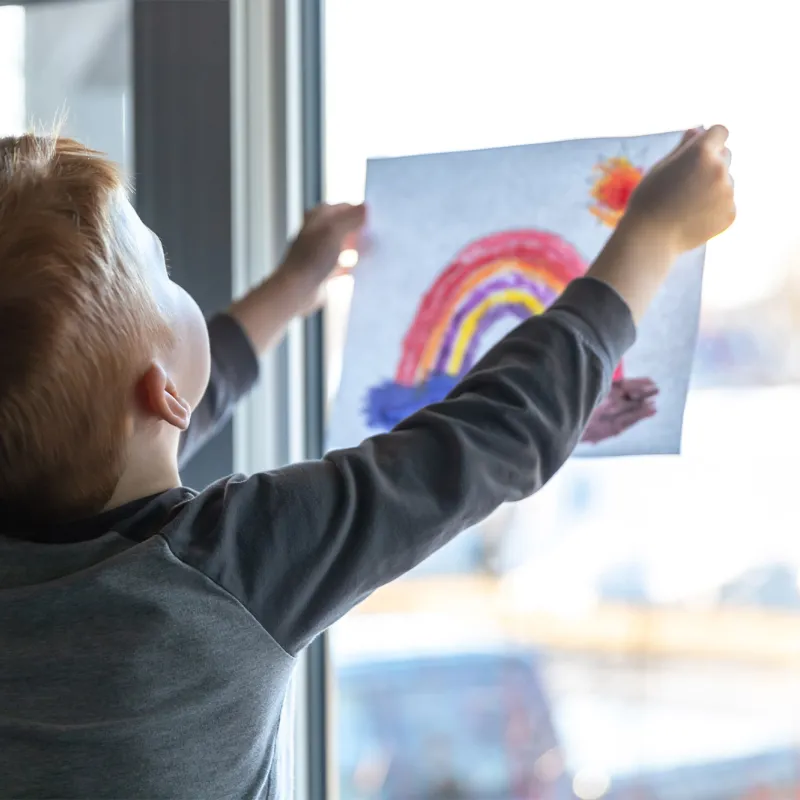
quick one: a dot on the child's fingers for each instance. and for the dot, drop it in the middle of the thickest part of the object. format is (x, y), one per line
(687, 139)
(640, 395)
(715, 137)
(346, 217)
(629, 418)
(337, 219)
(639, 383)
(639, 388)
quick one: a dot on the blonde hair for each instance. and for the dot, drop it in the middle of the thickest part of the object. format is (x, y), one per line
(77, 327)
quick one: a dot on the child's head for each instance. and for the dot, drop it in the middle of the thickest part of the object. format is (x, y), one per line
(102, 357)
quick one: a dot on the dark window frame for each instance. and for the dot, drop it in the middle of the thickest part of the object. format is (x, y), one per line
(317, 663)
(182, 160)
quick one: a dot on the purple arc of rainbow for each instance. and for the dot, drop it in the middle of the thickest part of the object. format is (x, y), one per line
(492, 295)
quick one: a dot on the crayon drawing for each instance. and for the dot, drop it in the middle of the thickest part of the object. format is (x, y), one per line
(496, 279)
(516, 274)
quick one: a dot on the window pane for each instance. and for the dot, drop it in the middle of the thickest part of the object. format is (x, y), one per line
(630, 632)
(68, 61)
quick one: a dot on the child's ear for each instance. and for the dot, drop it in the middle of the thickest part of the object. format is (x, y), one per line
(159, 398)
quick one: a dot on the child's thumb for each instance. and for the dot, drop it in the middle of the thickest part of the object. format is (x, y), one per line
(355, 216)
(343, 218)
(688, 136)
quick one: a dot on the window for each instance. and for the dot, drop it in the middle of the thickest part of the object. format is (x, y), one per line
(70, 61)
(631, 631)
(12, 68)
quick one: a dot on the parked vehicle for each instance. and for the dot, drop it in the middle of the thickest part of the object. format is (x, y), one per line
(479, 726)
(444, 728)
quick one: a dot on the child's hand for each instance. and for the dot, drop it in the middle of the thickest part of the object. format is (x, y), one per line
(687, 198)
(314, 255)
(629, 401)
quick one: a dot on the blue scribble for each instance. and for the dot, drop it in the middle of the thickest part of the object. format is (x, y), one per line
(390, 402)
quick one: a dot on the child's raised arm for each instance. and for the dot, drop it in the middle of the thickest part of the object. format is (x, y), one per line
(300, 546)
(257, 322)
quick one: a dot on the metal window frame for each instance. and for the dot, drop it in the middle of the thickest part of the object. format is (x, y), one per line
(259, 211)
(276, 79)
(182, 154)
(322, 773)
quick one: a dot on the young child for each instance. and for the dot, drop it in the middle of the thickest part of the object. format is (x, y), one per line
(149, 631)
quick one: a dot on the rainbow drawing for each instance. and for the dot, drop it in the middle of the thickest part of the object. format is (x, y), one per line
(513, 274)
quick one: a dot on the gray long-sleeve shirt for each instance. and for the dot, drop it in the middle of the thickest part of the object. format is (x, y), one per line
(146, 652)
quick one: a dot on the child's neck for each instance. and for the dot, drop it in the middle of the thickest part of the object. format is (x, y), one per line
(152, 468)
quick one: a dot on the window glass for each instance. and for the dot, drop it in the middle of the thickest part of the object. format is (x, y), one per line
(68, 62)
(648, 608)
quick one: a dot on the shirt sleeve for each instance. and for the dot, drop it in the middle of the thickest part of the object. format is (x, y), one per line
(301, 546)
(234, 372)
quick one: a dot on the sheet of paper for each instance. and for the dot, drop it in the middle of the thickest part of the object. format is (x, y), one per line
(465, 245)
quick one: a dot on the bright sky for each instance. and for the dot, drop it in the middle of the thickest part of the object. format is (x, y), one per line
(429, 75)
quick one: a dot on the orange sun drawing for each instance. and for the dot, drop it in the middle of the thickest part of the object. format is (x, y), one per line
(613, 188)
